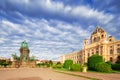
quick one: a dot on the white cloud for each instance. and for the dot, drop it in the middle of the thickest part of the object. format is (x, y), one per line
(41, 37)
(2, 40)
(9, 24)
(60, 9)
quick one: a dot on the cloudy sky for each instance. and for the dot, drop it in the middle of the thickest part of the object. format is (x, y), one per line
(54, 27)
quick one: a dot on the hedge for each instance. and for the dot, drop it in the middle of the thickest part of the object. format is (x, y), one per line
(67, 64)
(103, 67)
(57, 66)
(116, 66)
(76, 67)
(93, 60)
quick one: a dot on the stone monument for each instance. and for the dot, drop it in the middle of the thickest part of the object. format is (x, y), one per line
(24, 54)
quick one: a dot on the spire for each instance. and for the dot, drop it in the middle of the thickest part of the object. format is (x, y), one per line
(98, 29)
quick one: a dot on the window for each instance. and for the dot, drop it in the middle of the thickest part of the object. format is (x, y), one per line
(102, 36)
(118, 44)
(110, 40)
(110, 46)
(88, 54)
(97, 52)
(118, 50)
(92, 52)
(95, 39)
(111, 51)
(97, 49)
(111, 59)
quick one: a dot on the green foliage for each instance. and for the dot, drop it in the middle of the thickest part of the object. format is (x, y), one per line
(93, 60)
(39, 64)
(47, 65)
(57, 66)
(85, 64)
(76, 67)
(15, 57)
(58, 62)
(5, 63)
(50, 62)
(118, 60)
(32, 58)
(103, 67)
(67, 64)
(54, 66)
(116, 66)
(109, 63)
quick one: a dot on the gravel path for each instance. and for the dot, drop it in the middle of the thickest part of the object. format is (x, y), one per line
(35, 74)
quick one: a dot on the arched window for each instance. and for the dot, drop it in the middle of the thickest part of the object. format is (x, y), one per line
(98, 38)
(95, 39)
(118, 50)
(102, 36)
(111, 51)
(110, 40)
(88, 54)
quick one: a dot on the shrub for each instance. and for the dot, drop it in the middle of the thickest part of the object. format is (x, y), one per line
(47, 65)
(58, 62)
(116, 66)
(93, 60)
(59, 65)
(85, 64)
(103, 67)
(54, 66)
(76, 67)
(109, 63)
(39, 65)
(67, 64)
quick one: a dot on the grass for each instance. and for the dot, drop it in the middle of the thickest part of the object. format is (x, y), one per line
(113, 71)
(79, 75)
(62, 69)
(66, 70)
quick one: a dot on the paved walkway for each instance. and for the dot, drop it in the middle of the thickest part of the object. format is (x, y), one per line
(35, 74)
(100, 76)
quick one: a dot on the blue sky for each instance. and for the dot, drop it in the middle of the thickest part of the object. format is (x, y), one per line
(54, 27)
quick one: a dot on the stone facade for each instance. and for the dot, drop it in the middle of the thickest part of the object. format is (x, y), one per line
(75, 56)
(99, 44)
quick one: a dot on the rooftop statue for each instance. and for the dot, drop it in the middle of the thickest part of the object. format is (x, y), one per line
(24, 44)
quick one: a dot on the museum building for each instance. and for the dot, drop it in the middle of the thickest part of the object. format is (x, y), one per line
(100, 44)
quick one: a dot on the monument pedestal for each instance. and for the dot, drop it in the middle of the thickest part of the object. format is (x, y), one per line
(24, 64)
(15, 64)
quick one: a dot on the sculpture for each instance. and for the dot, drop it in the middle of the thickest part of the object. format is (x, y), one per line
(24, 44)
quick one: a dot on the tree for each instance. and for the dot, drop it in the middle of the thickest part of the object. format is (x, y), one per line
(67, 64)
(50, 62)
(15, 57)
(58, 62)
(93, 60)
(5, 63)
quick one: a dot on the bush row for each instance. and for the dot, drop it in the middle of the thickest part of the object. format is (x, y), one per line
(116, 66)
(96, 63)
(76, 67)
(103, 67)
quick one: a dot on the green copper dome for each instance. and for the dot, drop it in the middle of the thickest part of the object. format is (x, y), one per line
(24, 44)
